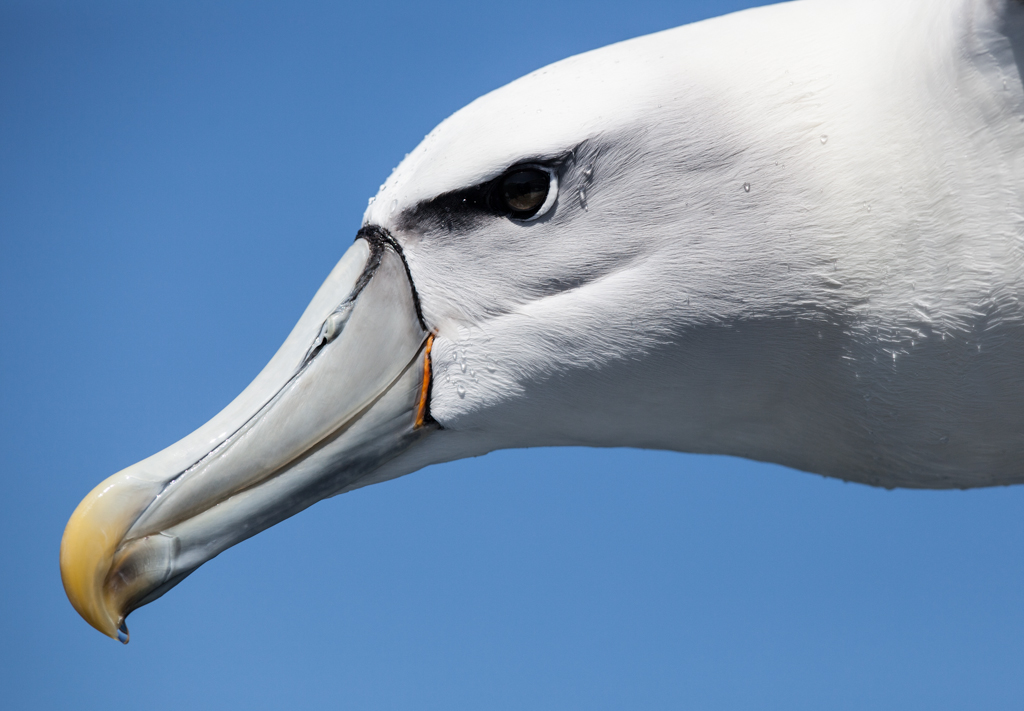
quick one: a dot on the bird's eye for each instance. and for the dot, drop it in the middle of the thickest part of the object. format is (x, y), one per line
(522, 192)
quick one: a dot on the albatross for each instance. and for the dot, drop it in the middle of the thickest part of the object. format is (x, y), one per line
(793, 234)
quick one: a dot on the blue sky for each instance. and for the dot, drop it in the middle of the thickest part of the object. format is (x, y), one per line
(175, 182)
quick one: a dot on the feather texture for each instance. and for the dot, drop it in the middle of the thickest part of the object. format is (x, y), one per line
(792, 234)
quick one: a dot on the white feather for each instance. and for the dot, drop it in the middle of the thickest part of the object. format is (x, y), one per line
(792, 234)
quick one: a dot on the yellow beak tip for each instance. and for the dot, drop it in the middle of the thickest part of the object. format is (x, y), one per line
(91, 538)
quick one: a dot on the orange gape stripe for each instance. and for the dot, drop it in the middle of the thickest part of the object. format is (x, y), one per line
(421, 411)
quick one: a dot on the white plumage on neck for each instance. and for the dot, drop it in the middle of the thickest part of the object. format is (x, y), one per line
(791, 234)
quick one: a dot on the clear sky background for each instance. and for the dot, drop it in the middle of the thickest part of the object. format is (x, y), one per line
(176, 179)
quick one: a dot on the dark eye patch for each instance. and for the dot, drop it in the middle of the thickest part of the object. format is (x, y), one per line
(518, 193)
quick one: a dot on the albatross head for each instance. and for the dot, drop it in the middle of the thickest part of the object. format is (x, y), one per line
(504, 291)
(632, 247)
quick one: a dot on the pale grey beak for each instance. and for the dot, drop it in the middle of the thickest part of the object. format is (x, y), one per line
(345, 393)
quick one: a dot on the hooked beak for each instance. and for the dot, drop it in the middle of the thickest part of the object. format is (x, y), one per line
(346, 392)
